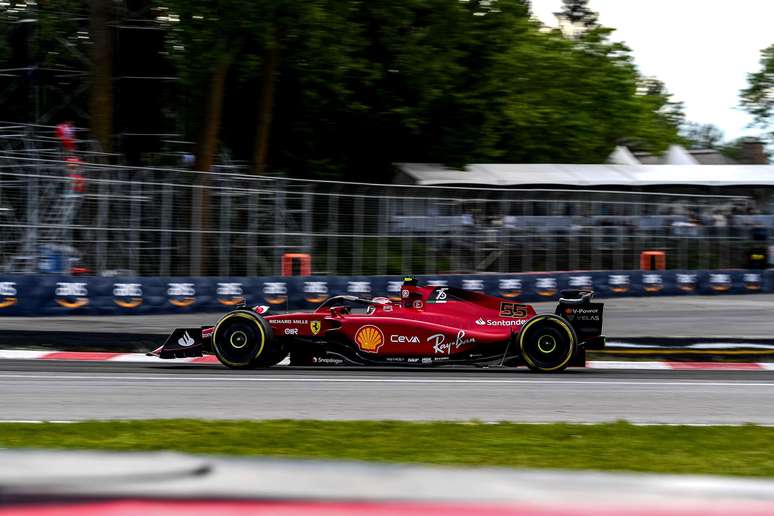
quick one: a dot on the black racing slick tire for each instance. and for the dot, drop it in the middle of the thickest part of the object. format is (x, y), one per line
(243, 340)
(547, 343)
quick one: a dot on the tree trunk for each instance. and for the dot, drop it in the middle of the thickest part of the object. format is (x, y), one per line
(265, 109)
(205, 158)
(101, 104)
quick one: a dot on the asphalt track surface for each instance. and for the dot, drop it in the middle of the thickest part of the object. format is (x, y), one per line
(742, 316)
(49, 390)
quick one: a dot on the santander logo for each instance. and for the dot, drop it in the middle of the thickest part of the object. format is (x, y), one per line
(480, 321)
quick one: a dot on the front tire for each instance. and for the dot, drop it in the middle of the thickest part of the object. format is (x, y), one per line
(243, 340)
(547, 344)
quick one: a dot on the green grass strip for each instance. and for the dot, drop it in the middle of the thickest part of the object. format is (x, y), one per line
(741, 450)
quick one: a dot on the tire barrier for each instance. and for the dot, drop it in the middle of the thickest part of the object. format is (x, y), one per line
(22, 295)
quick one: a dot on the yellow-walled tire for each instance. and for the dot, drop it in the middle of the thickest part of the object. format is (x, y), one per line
(241, 339)
(547, 343)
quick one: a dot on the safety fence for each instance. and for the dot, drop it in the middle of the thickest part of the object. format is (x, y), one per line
(62, 295)
(101, 219)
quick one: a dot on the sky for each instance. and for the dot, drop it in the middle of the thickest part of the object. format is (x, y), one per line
(701, 49)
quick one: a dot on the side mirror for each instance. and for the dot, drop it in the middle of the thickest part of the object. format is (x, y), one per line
(339, 311)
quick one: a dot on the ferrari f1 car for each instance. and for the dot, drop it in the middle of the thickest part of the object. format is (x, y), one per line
(430, 326)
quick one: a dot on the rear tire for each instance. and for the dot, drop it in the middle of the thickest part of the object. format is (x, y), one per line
(243, 340)
(547, 344)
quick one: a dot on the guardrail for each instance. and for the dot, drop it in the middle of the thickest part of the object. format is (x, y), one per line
(31, 295)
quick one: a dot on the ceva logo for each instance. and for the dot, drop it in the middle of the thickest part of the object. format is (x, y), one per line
(230, 294)
(8, 293)
(181, 295)
(275, 292)
(315, 291)
(509, 288)
(127, 295)
(71, 294)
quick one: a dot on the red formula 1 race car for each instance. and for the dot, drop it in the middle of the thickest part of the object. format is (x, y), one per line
(430, 326)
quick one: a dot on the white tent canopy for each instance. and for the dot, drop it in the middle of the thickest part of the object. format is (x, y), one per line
(590, 175)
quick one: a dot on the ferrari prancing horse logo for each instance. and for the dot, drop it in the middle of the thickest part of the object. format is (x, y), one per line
(315, 327)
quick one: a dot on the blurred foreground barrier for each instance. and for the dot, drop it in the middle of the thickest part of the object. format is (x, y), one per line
(61, 295)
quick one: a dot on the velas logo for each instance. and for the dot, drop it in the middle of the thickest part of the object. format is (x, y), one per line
(753, 281)
(230, 294)
(652, 282)
(619, 283)
(7, 293)
(580, 282)
(359, 288)
(393, 290)
(720, 282)
(127, 295)
(181, 295)
(369, 338)
(315, 291)
(473, 284)
(509, 288)
(686, 282)
(70, 294)
(275, 292)
(546, 287)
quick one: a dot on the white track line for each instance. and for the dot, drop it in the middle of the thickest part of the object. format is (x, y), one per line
(441, 381)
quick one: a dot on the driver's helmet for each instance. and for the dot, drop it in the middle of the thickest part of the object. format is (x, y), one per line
(408, 292)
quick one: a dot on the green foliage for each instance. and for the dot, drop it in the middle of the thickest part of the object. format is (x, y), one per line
(362, 84)
(742, 450)
(758, 97)
(702, 136)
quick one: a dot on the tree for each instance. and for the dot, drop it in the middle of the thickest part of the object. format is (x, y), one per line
(702, 136)
(578, 14)
(101, 105)
(758, 97)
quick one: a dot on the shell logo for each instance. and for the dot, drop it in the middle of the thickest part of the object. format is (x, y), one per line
(369, 338)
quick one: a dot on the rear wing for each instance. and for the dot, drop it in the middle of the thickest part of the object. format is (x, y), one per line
(585, 316)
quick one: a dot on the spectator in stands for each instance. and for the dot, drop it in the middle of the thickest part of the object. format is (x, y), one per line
(65, 132)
